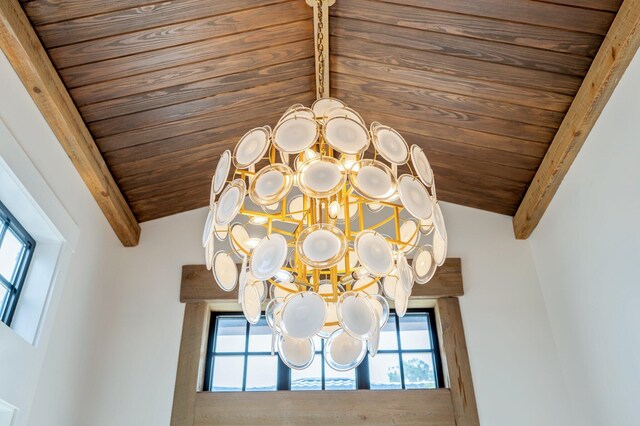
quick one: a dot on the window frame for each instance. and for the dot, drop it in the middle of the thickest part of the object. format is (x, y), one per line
(362, 377)
(15, 285)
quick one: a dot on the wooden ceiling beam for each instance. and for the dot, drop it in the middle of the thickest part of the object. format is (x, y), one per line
(615, 54)
(30, 61)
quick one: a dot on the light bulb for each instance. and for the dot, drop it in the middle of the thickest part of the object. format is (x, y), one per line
(284, 276)
(258, 220)
(252, 242)
(348, 162)
(334, 209)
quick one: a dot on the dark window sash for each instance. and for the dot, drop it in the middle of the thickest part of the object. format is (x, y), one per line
(362, 377)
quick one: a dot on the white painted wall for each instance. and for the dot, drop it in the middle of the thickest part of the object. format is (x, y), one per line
(55, 371)
(112, 350)
(587, 253)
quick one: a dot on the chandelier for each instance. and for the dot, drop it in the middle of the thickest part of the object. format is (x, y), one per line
(340, 207)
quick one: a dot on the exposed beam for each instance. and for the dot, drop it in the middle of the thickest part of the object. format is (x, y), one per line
(22, 47)
(198, 284)
(617, 50)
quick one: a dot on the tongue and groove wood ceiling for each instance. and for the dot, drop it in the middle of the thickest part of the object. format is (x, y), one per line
(166, 86)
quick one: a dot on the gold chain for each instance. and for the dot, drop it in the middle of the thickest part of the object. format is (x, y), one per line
(320, 50)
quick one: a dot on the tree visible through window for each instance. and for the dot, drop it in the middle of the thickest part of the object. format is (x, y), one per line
(239, 359)
(16, 249)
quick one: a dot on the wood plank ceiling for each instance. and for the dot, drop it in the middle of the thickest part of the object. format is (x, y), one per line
(165, 87)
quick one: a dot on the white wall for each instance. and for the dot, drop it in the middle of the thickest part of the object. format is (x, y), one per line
(55, 372)
(587, 253)
(516, 371)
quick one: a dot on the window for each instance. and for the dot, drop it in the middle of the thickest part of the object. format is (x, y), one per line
(16, 249)
(239, 358)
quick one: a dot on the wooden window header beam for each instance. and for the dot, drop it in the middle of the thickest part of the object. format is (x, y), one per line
(22, 47)
(615, 54)
(198, 284)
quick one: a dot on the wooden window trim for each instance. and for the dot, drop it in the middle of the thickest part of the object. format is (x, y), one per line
(453, 405)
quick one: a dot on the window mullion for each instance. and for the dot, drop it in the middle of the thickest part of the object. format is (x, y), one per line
(246, 357)
(399, 351)
(3, 230)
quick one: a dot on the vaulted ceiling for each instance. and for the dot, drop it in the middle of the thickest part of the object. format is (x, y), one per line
(165, 87)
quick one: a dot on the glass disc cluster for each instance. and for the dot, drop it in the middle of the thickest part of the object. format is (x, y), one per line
(321, 213)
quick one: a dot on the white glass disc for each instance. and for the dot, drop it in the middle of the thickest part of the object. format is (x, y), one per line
(346, 135)
(401, 300)
(390, 145)
(295, 134)
(209, 252)
(222, 171)
(438, 221)
(389, 284)
(230, 202)
(373, 179)
(273, 313)
(321, 245)
(271, 184)
(415, 197)
(323, 105)
(439, 249)
(421, 164)
(405, 273)
(239, 238)
(296, 207)
(206, 233)
(225, 271)
(296, 353)
(343, 111)
(409, 233)
(381, 307)
(268, 256)
(321, 177)
(251, 147)
(251, 304)
(374, 253)
(344, 352)
(303, 315)
(424, 265)
(356, 315)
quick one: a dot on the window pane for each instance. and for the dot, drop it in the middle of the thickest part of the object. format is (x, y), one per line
(262, 373)
(418, 371)
(384, 371)
(388, 335)
(10, 252)
(310, 378)
(414, 332)
(227, 373)
(339, 380)
(3, 294)
(260, 337)
(230, 334)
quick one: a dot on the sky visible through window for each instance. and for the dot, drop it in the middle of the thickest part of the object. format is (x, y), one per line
(10, 253)
(16, 249)
(240, 359)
